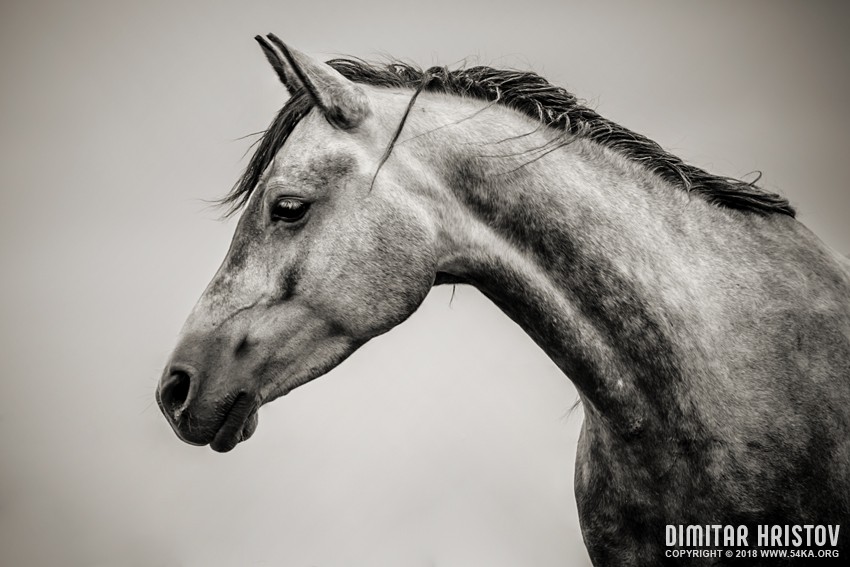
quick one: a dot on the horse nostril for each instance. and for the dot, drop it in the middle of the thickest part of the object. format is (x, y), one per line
(174, 392)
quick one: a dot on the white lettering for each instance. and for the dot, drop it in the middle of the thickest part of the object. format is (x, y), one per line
(693, 534)
(797, 540)
(820, 535)
(808, 528)
(671, 536)
(742, 536)
(833, 537)
(716, 539)
(776, 536)
(728, 536)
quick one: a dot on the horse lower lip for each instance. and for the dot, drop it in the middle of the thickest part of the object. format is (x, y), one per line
(237, 422)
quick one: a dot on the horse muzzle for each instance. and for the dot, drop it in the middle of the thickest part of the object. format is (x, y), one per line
(221, 423)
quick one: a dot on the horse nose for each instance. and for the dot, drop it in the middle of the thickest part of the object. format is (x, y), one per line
(176, 390)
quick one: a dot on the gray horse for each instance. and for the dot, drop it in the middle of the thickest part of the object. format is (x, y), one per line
(706, 330)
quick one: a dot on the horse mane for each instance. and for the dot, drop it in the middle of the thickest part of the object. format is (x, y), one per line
(530, 94)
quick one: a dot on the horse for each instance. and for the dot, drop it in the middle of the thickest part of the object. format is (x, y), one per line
(707, 331)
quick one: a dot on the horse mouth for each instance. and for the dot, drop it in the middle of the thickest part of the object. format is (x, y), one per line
(238, 425)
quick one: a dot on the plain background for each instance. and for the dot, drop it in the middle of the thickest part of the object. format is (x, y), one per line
(449, 441)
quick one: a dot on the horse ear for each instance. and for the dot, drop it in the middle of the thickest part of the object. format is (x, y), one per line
(286, 76)
(343, 102)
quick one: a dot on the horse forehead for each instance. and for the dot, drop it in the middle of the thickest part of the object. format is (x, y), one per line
(314, 135)
(320, 158)
(313, 174)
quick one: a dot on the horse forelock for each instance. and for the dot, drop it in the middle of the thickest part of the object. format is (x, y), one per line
(525, 92)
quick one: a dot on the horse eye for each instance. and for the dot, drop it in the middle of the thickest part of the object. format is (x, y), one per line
(289, 210)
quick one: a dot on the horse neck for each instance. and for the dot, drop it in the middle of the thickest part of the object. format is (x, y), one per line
(589, 253)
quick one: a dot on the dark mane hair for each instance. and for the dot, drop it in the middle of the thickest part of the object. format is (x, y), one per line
(529, 94)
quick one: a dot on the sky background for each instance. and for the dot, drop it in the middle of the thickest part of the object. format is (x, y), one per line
(447, 442)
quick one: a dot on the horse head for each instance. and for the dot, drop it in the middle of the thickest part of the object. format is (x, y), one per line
(325, 256)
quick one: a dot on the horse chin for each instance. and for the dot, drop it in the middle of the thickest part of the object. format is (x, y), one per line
(238, 425)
